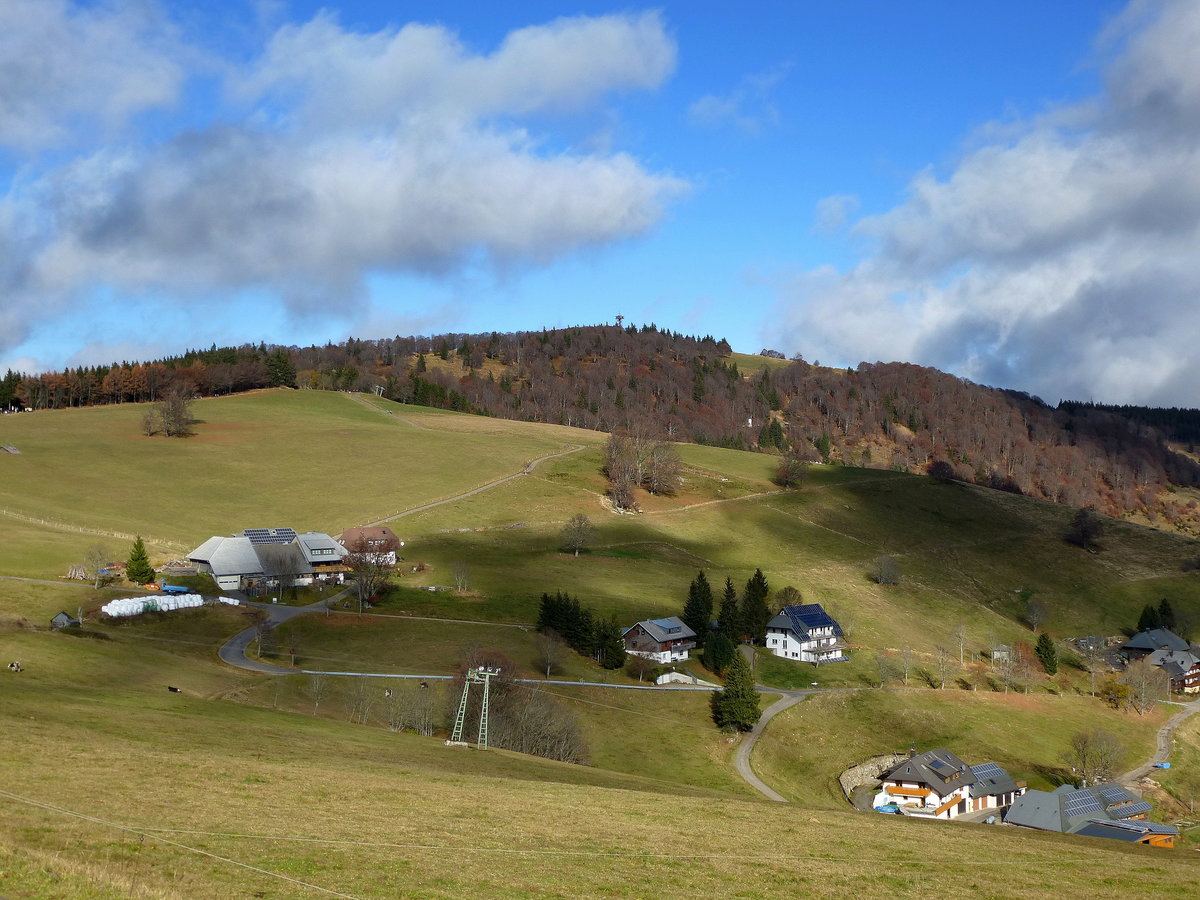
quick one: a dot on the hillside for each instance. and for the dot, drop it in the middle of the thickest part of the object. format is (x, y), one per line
(239, 766)
(878, 415)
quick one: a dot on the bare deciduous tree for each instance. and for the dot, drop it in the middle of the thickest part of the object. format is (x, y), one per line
(1147, 683)
(943, 665)
(960, 633)
(1035, 614)
(318, 689)
(1094, 755)
(551, 650)
(885, 668)
(887, 570)
(95, 561)
(906, 661)
(577, 534)
(461, 574)
(368, 568)
(639, 666)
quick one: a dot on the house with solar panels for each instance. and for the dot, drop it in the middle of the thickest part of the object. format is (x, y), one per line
(806, 633)
(1104, 810)
(662, 640)
(266, 558)
(938, 785)
(1178, 659)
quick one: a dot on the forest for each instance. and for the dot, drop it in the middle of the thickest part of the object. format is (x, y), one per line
(663, 385)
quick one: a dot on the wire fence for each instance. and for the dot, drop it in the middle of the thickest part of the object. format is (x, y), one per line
(66, 526)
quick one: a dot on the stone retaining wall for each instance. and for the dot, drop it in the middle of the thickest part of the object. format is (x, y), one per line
(866, 772)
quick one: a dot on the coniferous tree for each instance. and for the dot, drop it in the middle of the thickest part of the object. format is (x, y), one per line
(736, 707)
(1149, 619)
(1166, 615)
(755, 613)
(697, 612)
(729, 619)
(719, 651)
(1047, 653)
(138, 568)
(609, 646)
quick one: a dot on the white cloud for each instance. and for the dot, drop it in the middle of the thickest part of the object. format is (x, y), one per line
(1061, 261)
(351, 153)
(63, 66)
(749, 107)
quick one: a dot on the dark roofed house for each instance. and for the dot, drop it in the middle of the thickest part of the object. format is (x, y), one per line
(806, 633)
(1169, 652)
(1146, 642)
(662, 640)
(1104, 810)
(62, 620)
(935, 784)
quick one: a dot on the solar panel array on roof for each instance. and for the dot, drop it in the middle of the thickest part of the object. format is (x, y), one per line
(1114, 793)
(988, 770)
(1082, 804)
(270, 535)
(1130, 809)
(1127, 826)
(942, 768)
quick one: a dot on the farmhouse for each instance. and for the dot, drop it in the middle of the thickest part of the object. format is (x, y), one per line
(662, 640)
(806, 633)
(265, 558)
(938, 785)
(379, 541)
(1104, 810)
(1178, 659)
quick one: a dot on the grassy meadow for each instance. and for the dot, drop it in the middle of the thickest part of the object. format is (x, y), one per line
(238, 765)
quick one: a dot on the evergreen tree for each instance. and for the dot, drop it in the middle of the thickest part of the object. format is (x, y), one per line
(1149, 619)
(697, 612)
(609, 644)
(729, 619)
(1166, 615)
(1047, 653)
(755, 613)
(138, 568)
(718, 652)
(736, 707)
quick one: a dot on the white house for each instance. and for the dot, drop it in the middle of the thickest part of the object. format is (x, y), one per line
(662, 640)
(269, 558)
(806, 633)
(939, 785)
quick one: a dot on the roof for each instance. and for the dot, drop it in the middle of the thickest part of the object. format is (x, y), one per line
(266, 554)
(1155, 639)
(803, 618)
(940, 769)
(991, 779)
(1174, 662)
(1072, 810)
(663, 630)
(64, 618)
(228, 556)
(1124, 831)
(369, 535)
(319, 547)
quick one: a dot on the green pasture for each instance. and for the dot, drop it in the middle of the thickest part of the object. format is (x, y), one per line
(805, 747)
(90, 729)
(309, 459)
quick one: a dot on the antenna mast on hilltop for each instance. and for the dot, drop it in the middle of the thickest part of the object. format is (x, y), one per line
(482, 675)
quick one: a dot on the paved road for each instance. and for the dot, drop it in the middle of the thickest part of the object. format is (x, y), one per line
(233, 651)
(529, 467)
(1162, 745)
(741, 759)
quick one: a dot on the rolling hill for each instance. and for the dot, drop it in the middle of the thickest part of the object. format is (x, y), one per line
(237, 765)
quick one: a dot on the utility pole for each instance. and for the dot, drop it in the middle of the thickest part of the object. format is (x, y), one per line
(482, 675)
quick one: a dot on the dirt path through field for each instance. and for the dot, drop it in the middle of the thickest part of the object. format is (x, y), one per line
(529, 467)
(1162, 745)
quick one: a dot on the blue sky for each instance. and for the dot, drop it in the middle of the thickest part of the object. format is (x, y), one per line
(1005, 190)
